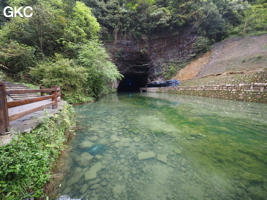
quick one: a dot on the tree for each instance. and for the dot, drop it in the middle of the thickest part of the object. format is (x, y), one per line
(82, 26)
(101, 71)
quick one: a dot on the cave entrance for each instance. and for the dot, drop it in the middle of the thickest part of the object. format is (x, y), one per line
(132, 82)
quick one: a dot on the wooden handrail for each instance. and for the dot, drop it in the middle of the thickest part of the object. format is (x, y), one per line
(54, 94)
(12, 104)
(29, 91)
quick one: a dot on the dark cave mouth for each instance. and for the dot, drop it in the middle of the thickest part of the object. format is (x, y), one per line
(132, 82)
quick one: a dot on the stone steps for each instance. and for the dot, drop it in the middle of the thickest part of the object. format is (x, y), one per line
(13, 97)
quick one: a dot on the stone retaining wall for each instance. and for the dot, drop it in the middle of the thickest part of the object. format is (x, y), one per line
(255, 92)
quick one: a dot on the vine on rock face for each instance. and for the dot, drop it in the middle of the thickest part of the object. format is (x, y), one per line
(26, 161)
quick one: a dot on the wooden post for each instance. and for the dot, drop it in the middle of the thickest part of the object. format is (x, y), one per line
(4, 122)
(42, 93)
(54, 93)
(59, 93)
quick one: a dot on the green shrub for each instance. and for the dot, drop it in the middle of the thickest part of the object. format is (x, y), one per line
(202, 45)
(64, 73)
(17, 57)
(101, 71)
(26, 161)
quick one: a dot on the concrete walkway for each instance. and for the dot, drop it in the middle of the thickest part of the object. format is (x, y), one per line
(29, 122)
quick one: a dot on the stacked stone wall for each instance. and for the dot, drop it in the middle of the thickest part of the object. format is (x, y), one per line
(255, 92)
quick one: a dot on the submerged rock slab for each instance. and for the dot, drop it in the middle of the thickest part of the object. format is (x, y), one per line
(96, 167)
(86, 145)
(84, 160)
(75, 177)
(162, 158)
(84, 188)
(90, 175)
(146, 155)
(118, 189)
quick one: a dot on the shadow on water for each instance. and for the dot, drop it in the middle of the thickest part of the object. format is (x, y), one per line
(153, 146)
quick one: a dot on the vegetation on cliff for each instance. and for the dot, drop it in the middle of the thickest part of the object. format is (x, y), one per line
(145, 21)
(213, 19)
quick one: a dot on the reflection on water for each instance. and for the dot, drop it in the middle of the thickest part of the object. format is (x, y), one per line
(167, 147)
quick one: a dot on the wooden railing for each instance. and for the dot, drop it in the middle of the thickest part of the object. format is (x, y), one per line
(53, 93)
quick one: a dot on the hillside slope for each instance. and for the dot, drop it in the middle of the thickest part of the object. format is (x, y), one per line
(228, 59)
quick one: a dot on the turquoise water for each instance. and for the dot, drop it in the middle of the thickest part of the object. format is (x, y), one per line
(153, 146)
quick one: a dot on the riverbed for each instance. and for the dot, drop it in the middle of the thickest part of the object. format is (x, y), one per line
(151, 146)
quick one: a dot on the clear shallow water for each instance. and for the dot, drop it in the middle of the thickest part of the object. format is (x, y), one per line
(197, 148)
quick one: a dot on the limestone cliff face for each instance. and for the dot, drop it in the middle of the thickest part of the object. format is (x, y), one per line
(146, 57)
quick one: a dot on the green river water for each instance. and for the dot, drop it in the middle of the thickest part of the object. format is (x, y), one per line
(168, 147)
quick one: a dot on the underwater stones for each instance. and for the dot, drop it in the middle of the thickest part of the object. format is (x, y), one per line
(126, 140)
(256, 192)
(183, 161)
(97, 149)
(146, 155)
(104, 183)
(253, 178)
(103, 141)
(137, 139)
(114, 138)
(84, 160)
(94, 181)
(162, 158)
(76, 177)
(94, 138)
(96, 167)
(117, 145)
(177, 151)
(84, 188)
(95, 186)
(90, 175)
(67, 190)
(191, 138)
(202, 135)
(239, 191)
(98, 157)
(118, 189)
(101, 134)
(183, 169)
(86, 145)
